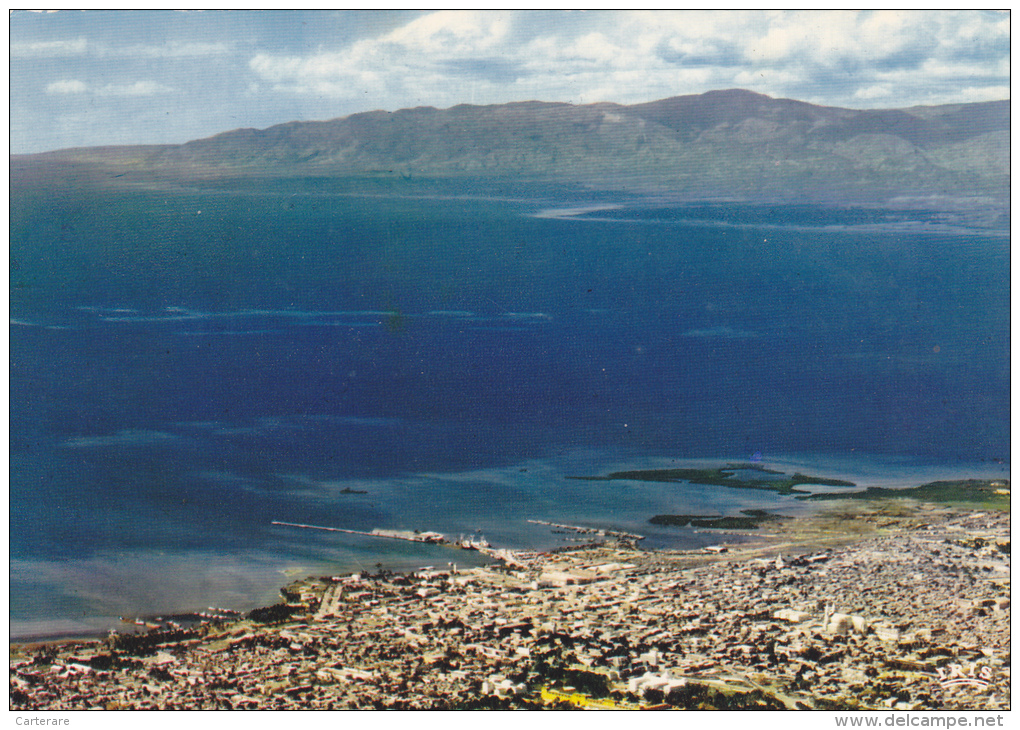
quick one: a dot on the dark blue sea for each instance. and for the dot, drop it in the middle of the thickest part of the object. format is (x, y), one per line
(189, 364)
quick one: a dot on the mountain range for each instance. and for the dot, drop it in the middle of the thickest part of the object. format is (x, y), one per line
(731, 143)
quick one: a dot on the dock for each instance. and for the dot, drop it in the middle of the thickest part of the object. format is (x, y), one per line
(434, 538)
(590, 530)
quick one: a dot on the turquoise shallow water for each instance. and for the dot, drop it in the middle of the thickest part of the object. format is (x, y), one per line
(178, 380)
(70, 595)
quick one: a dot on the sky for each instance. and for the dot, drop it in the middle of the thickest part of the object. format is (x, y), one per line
(87, 78)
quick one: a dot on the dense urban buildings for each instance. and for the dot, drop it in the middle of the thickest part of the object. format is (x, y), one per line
(874, 606)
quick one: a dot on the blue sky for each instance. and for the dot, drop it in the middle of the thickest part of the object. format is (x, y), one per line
(140, 77)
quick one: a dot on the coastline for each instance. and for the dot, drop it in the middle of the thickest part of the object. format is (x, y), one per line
(921, 587)
(149, 583)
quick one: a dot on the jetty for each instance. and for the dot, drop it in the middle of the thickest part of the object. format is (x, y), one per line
(618, 534)
(480, 544)
(434, 538)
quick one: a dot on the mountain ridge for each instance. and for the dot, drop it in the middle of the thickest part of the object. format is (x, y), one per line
(728, 141)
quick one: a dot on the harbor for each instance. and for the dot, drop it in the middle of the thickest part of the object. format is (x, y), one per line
(428, 537)
(875, 622)
(599, 532)
(472, 543)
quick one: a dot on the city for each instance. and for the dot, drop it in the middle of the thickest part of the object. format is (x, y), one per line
(875, 606)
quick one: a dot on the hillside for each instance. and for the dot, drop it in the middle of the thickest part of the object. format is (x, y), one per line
(730, 143)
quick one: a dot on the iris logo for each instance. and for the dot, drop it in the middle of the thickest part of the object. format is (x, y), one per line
(954, 675)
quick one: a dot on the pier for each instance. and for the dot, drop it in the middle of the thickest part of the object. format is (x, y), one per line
(590, 530)
(434, 538)
(510, 557)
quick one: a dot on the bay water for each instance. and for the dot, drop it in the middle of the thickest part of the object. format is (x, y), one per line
(189, 364)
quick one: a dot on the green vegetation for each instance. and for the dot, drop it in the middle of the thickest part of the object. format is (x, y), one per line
(593, 684)
(751, 520)
(753, 467)
(990, 494)
(726, 477)
(148, 643)
(273, 614)
(705, 696)
(985, 493)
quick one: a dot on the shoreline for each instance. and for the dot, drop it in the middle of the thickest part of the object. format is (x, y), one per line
(257, 574)
(428, 610)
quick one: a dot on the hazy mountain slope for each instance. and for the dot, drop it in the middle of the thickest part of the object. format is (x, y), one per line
(734, 143)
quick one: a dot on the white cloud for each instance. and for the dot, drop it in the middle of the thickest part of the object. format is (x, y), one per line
(875, 91)
(984, 93)
(452, 32)
(173, 50)
(82, 47)
(418, 58)
(596, 48)
(67, 86)
(834, 38)
(954, 70)
(49, 49)
(138, 88)
(442, 58)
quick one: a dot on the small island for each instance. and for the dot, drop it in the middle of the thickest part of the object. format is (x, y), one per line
(726, 476)
(751, 520)
(986, 493)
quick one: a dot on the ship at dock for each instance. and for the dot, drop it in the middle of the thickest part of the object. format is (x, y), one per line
(478, 543)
